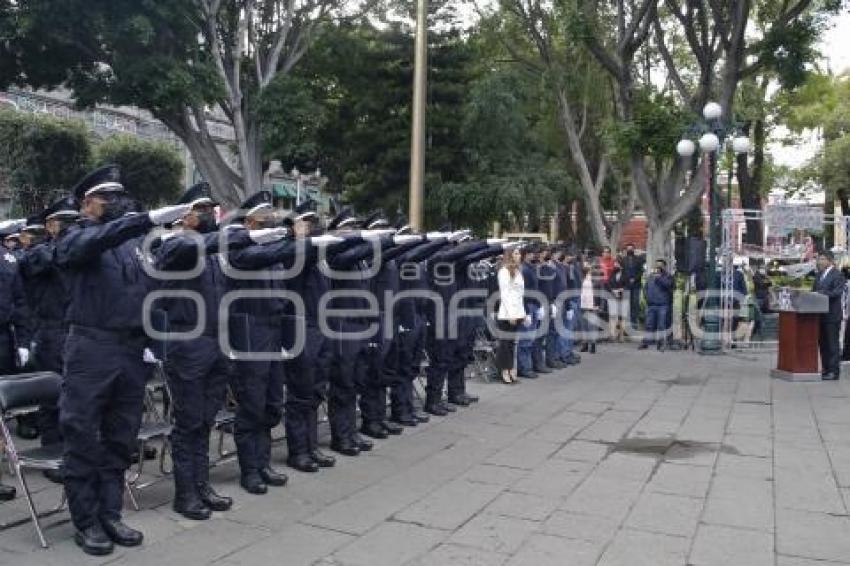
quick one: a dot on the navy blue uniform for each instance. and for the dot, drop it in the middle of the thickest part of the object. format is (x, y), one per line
(444, 268)
(197, 369)
(381, 364)
(102, 399)
(259, 384)
(15, 323)
(48, 296)
(349, 360)
(411, 316)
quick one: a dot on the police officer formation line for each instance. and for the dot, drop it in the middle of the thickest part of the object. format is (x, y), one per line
(78, 291)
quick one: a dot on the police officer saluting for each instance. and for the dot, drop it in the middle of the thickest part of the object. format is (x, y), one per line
(48, 297)
(14, 322)
(102, 399)
(197, 369)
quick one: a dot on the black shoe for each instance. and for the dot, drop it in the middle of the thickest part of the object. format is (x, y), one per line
(7, 492)
(94, 541)
(253, 484)
(302, 463)
(584, 347)
(527, 375)
(345, 447)
(405, 420)
(448, 408)
(272, 477)
(436, 409)
(322, 459)
(556, 365)
(362, 444)
(392, 428)
(55, 476)
(643, 346)
(190, 506)
(121, 534)
(421, 418)
(542, 369)
(830, 377)
(374, 430)
(212, 499)
(460, 400)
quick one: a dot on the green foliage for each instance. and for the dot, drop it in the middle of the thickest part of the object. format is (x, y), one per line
(41, 157)
(150, 171)
(656, 128)
(292, 119)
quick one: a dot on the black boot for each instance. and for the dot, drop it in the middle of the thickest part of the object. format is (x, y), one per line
(373, 430)
(421, 418)
(272, 477)
(345, 446)
(7, 492)
(459, 400)
(404, 420)
(392, 428)
(121, 534)
(434, 405)
(212, 499)
(302, 463)
(322, 459)
(94, 541)
(253, 483)
(362, 444)
(188, 503)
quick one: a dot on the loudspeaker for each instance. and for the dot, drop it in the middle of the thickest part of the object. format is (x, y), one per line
(680, 252)
(696, 254)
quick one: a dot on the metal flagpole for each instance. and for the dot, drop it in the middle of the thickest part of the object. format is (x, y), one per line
(417, 141)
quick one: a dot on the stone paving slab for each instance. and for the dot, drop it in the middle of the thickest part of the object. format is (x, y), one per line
(632, 458)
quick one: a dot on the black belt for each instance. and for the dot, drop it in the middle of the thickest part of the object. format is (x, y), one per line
(117, 335)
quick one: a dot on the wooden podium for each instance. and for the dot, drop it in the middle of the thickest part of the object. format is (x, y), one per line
(798, 335)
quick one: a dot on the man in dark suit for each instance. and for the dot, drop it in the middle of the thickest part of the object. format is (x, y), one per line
(829, 282)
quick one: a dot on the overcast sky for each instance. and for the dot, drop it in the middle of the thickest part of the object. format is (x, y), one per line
(836, 48)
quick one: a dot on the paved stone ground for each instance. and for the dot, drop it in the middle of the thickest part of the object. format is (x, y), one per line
(634, 458)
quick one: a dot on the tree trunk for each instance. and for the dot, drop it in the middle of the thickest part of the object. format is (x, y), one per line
(750, 180)
(659, 244)
(829, 227)
(584, 235)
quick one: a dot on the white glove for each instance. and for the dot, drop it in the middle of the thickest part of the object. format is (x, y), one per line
(431, 236)
(570, 314)
(540, 313)
(554, 311)
(459, 235)
(496, 241)
(266, 235)
(23, 356)
(168, 214)
(148, 357)
(377, 233)
(527, 321)
(325, 240)
(400, 239)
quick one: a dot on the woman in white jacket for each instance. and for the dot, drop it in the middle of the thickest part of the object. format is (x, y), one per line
(511, 313)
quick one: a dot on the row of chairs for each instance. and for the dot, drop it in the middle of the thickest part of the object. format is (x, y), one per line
(22, 394)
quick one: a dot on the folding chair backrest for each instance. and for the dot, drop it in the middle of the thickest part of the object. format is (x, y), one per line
(29, 390)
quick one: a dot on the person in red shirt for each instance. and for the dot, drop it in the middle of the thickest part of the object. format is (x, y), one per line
(606, 263)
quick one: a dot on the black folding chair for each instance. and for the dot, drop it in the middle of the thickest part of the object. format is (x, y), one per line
(156, 427)
(20, 395)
